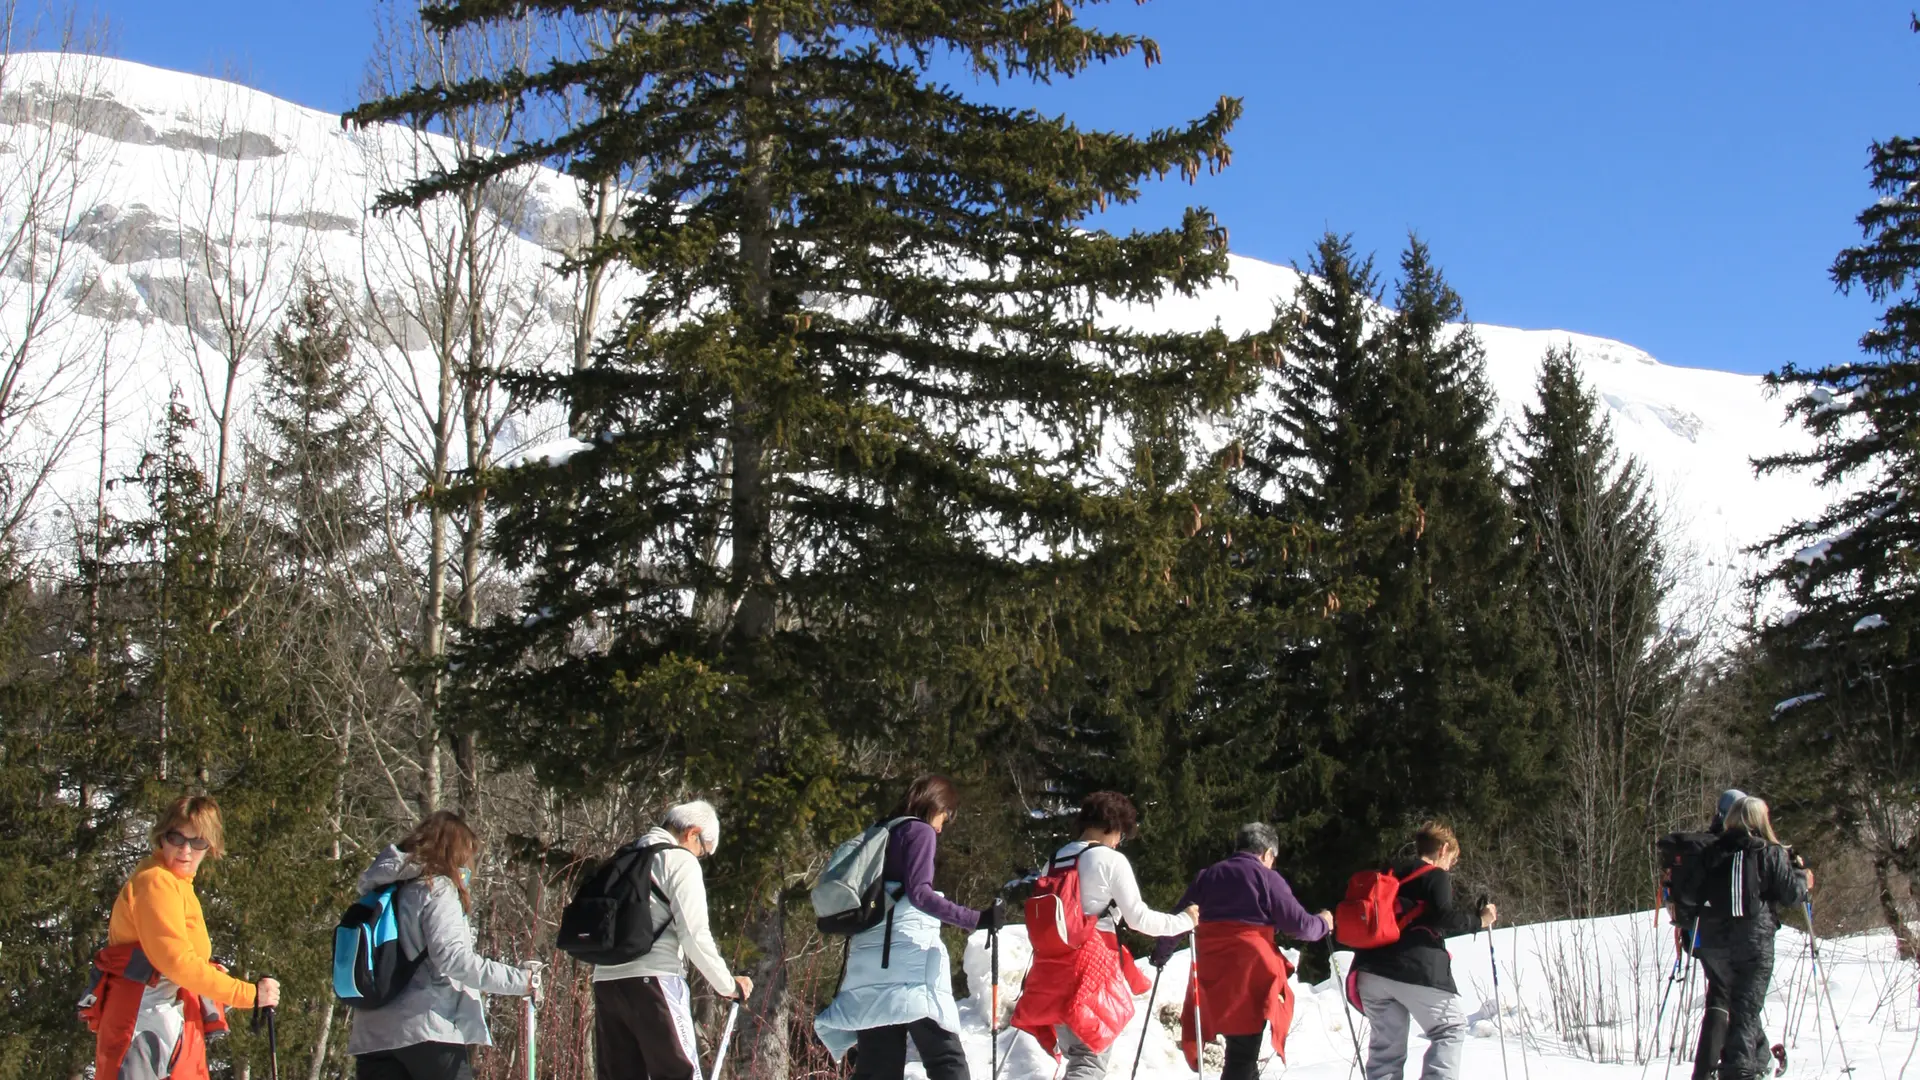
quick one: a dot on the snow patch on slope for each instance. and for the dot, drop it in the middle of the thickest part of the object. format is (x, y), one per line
(163, 132)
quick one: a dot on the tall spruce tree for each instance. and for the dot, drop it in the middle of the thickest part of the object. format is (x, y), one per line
(859, 455)
(323, 577)
(1250, 741)
(1425, 695)
(316, 444)
(1597, 584)
(1849, 650)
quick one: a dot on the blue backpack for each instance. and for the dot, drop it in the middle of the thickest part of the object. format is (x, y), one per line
(369, 969)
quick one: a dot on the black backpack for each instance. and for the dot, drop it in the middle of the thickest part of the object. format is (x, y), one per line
(1685, 862)
(1734, 884)
(609, 920)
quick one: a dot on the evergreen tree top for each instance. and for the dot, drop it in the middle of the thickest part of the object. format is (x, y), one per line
(1857, 564)
(870, 441)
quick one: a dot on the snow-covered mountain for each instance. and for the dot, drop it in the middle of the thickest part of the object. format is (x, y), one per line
(189, 209)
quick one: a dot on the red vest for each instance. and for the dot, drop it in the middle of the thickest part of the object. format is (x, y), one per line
(1090, 990)
(1242, 987)
(112, 1011)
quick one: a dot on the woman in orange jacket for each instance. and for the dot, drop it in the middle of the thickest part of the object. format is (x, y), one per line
(156, 991)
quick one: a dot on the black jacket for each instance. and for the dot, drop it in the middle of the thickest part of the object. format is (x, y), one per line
(1740, 915)
(1420, 957)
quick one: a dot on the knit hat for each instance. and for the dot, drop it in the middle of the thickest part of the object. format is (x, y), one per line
(1725, 807)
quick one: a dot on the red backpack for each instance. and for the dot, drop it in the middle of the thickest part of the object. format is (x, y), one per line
(1057, 922)
(1370, 916)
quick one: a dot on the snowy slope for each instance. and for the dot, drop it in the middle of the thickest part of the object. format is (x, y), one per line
(295, 189)
(1576, 999)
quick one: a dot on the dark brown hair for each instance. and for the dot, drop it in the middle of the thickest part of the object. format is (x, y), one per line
(443, 845)
(927, 797)
(1433, 840)
(199, 811)
(1108, 811)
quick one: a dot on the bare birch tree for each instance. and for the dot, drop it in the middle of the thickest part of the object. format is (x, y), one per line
(451, 302)
(53, 115)
(241, 265)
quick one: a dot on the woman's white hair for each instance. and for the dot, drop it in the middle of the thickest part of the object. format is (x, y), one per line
(698, 814)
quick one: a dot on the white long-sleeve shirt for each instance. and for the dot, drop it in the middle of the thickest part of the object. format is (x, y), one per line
(684, 932)
(1106, 877)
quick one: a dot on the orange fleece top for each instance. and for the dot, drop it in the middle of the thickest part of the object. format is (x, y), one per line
(158, 910)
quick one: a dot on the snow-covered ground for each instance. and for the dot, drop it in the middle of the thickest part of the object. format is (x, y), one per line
(1578, 1002)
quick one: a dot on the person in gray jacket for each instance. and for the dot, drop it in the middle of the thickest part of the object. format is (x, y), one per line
(642, 1010)
(424, 1033)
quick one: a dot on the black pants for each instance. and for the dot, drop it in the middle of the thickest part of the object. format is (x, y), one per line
(1243, 1057)
(881, 1053)
(421, 1061)
(1713, 1031)
(642, 1029)
(1737, 985)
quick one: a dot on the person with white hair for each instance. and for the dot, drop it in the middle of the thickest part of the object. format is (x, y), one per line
(1749, 874)
(643, 1019)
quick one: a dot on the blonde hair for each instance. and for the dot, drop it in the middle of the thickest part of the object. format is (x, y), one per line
(199, 811)
(1752, 815)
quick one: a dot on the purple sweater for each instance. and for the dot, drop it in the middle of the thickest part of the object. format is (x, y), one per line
(910, 861)
(1239, 889)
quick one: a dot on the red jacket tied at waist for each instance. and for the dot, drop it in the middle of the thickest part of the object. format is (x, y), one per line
(1241, 987)
(1090, 990)
(140, 1035)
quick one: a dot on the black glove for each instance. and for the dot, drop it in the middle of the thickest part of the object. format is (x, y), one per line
(990, 916)
(1162, 953)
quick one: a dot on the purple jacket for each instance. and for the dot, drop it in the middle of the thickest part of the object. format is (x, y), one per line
(1239, 889)
(910, 861)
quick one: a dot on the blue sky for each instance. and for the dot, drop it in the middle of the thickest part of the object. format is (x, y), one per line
(1675, 175)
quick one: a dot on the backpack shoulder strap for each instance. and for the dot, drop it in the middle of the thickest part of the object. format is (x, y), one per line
(1418, 907)
(648, 853)
(1424, 869)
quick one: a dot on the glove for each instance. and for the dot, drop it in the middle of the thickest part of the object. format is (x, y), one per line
(1162, 953)
(990, 918)
(534, 986)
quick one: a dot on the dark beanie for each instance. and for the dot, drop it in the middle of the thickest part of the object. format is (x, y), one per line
(1725, 807)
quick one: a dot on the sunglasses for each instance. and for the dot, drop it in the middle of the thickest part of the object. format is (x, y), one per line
(175, 839)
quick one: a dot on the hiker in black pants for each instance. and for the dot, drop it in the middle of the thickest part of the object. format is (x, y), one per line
(1713, 1022)
(1749, 874)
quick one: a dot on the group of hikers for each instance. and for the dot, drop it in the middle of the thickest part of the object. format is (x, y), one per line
(157, 993)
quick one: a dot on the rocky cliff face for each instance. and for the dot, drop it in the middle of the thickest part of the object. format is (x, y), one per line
(183, 213)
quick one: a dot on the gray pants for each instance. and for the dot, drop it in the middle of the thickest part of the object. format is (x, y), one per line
(1082, 1063)
(1389, 1006)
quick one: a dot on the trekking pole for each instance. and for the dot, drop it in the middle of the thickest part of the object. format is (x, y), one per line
(726, 1039)
(1674, 1050)
(533, 1017)
(1146, 1020)
(1199, 1031)
(267, 1016)
(1820, 974)
(993, 1019)
(1499, 1016)
(1660, 1015)
(1353, 1015)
